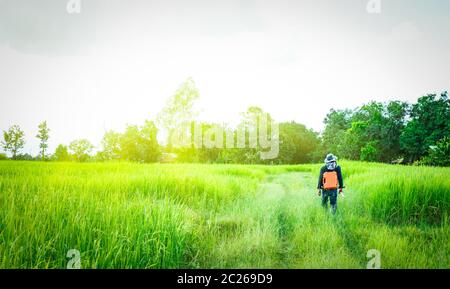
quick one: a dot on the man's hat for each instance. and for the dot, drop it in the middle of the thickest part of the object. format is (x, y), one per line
(330, 158)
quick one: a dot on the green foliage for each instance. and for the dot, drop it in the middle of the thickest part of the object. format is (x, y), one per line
(395, 121)
(392, 132)
(205, 154)
(250, 124)
(371, 132)
(111, 149)
(438, 155)
(179, 111)
(13, 140)
(149, 142)
(429, 123)
(24, 157)
(352, 141)
(297, 143)
(43, 136)
(61, 154)
(3, 157)
(222, 144)
(139, 143)
(337, 122)
(369, 152)
(81, 149)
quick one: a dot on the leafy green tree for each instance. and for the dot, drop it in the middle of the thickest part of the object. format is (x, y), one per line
(393, 126)
(337, 122)
(297, 143)
(438, 155)
(371, 132)
(380, 126)
(43, 136)
(352, 141)
(178, 112)
(25, 157)
(429, 123)
(205, 154)
(129, 144)
(111, 149)
(81, 149)
(149, 142)
(251, 124)
(14, 140)
(246, 147)
(140, 144)
(370, 152)
(61, 153)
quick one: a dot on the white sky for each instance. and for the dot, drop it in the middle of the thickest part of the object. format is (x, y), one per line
(118, 61)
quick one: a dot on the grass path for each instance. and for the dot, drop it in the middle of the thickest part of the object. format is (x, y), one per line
(284, 226)
(290, 229)
(310, 237)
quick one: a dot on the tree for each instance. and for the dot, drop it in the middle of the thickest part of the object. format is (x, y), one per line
(352, 141)
(370, 152)
(204, 153)
(297, 143)
(140, 144)
(149, 142)
(178, 112)
(25, 157)
(375, 132)
(61, 153)
(396, 118)
(43, 136)
(438, 155)
(111, 146)
(129, 144)
(370, 132)
(13, 140)
(429, 123)
(337, 122)
(251, 124)
(81, 149)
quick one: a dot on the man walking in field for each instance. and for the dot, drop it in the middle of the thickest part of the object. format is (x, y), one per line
(330, 181)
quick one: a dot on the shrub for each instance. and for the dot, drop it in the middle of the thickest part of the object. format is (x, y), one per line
(438, 155)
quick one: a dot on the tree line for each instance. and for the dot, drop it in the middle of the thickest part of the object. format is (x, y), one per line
(391, 132)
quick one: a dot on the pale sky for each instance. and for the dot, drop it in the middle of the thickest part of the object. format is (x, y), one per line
(118, 61)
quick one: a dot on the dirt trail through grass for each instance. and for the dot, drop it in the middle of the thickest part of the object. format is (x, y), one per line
(308, 235)
(311, 237)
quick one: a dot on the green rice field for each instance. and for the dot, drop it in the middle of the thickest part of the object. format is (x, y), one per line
(127, 215)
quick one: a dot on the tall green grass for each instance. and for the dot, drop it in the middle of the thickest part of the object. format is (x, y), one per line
(125, 215)
(396, 194)
(117, 215)
(400, 194)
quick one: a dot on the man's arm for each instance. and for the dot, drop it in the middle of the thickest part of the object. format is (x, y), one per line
(319, 183)
(340, 179)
